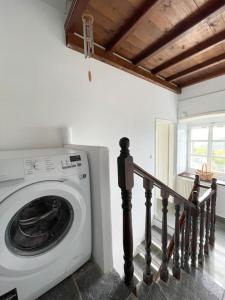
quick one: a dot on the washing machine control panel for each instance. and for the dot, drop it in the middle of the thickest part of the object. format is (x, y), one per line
(65, 164)
(42, 166)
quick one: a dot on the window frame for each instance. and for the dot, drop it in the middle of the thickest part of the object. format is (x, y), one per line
(209, 156)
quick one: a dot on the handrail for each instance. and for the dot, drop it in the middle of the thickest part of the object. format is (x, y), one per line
(186, 221)
(204, 186)
(208, 194)
(142, 173)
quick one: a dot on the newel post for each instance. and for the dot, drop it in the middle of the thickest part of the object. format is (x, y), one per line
(213, 213)
(126, 183)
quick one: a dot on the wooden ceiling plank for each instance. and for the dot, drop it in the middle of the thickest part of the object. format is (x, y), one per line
(213, 74)
(208, 63)
(130, 26)
(197, 49)
(179, 30)
(76, 11)
(76, 43)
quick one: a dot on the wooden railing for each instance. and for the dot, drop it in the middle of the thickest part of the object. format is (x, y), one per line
(183, 245)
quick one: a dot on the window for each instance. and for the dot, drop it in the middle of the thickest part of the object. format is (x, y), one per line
(207, 145)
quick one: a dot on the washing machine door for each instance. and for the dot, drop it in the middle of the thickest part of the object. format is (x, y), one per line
(37, 224)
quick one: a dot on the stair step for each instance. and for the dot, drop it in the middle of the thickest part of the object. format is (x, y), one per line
(152, 292)
(132, 297)
(156, 254)
(191, 286)
(157, 224)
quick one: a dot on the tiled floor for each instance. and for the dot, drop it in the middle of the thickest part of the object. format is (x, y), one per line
(88, 283)
(215, 263)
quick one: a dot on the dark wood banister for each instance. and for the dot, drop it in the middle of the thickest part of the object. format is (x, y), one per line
(193, 208)
(181, 221)
(142, 173)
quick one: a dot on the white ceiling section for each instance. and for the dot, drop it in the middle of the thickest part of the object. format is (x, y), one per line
(61, 5)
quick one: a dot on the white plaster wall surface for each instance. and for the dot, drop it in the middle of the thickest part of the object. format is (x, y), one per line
(203, 98)
(98, 158)
(44, 86)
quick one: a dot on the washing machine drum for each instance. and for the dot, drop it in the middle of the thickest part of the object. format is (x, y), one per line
(39, 225)
(36, 218)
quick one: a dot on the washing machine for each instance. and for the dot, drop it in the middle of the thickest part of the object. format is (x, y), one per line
(45, 219)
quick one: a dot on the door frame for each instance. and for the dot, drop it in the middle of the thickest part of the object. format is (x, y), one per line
(169, 122)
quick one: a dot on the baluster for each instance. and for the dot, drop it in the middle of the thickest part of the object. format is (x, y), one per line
(213, 213)
(194, 229)
(206, 245)
(176, 257)
(126, 182)
(201, 234)
(182, 246)
(164, 274)
(147, 276)
(187, 239)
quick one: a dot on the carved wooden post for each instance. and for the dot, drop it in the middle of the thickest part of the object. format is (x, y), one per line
(126, 183)
(182, 246)
(213, 213)
(176, 263)
(206, 245)
(197, 183)
(194, 229)
(187, 239)
(164, 274)
(201, 237)
(148, 276)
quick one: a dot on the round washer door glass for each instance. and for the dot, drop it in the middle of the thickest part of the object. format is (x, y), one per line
(39, 226)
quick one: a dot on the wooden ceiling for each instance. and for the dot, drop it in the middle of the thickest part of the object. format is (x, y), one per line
(173, 43)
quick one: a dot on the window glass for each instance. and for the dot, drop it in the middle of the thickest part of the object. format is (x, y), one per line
(199, 133)
(218, 149)
(199, 148)
(219, 132)
(218, 164)
(196, 162)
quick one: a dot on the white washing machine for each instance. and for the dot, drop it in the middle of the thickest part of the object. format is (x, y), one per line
(45, 219)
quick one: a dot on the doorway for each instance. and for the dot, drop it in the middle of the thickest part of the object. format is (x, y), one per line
(165, 164)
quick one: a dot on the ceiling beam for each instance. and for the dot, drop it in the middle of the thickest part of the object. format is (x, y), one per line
(197, 49)
(130, 26)
(206, 64)
(76, 43)
(179, 30)
(76, 10)
(213, 74)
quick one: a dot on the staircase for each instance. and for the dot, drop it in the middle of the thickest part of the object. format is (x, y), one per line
(193, 285)
(168, 266)
(156, 254)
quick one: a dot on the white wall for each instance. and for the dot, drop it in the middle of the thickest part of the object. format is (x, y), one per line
(98, 159)
(202, 98)
(44, 86)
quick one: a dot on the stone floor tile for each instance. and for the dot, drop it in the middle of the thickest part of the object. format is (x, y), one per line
(66, 290)
(152, 292)
(93, 285)
(86, 267)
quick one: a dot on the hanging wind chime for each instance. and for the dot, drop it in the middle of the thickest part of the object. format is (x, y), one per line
(88, 36)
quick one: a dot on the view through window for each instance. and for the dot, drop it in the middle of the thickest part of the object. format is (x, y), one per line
(207, 145)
